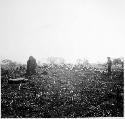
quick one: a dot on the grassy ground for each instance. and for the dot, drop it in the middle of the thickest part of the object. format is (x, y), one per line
(65, 93)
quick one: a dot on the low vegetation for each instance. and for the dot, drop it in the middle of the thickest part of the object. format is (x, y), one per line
(62, 91)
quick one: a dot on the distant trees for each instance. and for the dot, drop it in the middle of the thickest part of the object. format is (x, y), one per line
(82, 62)
(79, 61)
(51, 60)
(31, 66)
(118, 61)
(55, 60)
(8, 68)
(8, 64)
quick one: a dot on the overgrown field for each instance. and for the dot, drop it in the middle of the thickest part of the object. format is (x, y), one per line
(64, 91)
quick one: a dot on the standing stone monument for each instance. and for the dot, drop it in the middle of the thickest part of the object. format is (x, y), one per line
(31, 66)
(109, 65)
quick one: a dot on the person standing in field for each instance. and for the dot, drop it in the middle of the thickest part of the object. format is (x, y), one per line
(109, 65)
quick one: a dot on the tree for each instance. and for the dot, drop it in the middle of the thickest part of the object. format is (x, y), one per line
(79, 61)
(56, 60)
(117, 61)
(51, 60)
(31, 66)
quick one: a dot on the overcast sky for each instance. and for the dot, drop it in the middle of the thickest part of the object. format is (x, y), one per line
(70, 29)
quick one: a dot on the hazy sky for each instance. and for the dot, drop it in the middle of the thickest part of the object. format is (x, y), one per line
(70, 29)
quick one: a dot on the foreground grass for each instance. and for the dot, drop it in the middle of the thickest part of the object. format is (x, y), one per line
(65, 94)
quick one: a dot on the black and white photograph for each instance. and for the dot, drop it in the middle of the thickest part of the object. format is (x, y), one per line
(62, 58)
